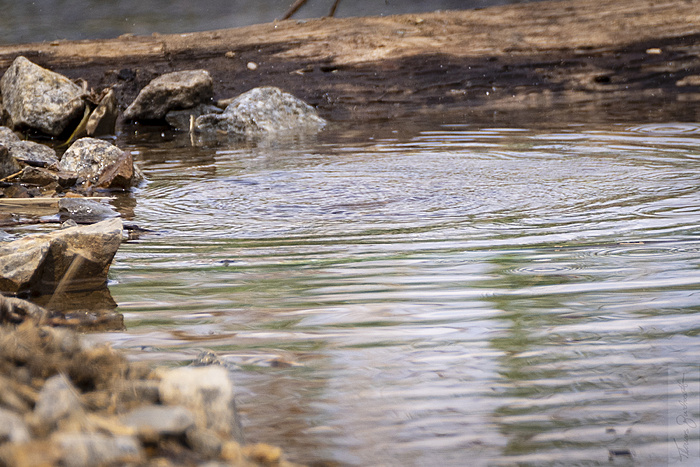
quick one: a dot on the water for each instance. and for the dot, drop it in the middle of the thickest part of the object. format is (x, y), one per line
(47, 20)
(416, 293)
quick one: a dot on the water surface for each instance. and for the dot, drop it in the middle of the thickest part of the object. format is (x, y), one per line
(431, 293)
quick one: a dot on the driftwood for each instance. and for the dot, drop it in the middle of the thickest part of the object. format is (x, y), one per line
(583, 59)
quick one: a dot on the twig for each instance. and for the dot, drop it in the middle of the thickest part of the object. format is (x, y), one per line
(10, 177)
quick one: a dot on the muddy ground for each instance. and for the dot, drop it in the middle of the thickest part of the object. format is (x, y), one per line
(580, 60)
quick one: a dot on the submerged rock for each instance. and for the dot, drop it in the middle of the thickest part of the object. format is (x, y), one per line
(261, 111)
(171, 91)
(90, 158)
(77, 258)
(39, 99)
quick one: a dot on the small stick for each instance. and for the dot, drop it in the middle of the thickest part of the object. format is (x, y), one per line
(293, 9)
(10, 177)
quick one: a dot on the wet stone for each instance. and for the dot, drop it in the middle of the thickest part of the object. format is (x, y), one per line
(39, 99)
(38, 263)
(34, 154)
(85, 210)
(261, 111)
(89, 157)
(119, 174)
(38, 176)
(171, 91)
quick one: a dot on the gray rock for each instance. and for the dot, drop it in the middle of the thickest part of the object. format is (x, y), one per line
(34, 154)
(172, 91)
(58, 399)
(208, 392)
(12, 428)
(160, 420)
(41, 176)
(85, 210)
(89, 157)
(8, 164)
(261, 111)
(39, 263)
(180, 119)
(91, 449)
(38, 98)
(7, 135)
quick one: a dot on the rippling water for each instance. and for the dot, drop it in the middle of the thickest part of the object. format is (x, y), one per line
(432, 294)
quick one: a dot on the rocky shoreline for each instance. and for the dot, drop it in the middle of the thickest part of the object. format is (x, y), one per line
(63, 402)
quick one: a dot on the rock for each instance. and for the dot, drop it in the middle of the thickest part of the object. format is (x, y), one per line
(89, 157)
(12, 428)
(119, 174)
(171, 91)
(103, 119)
(261, 111)
(17, 191)
(208, 392)
(180, 119)
(40, 99)
(85, 210)
(40, 176)
(34, 154)
(8, 164)
(58, 399)
(155, 421)
(78, 256)
(91, 449)
(7, 135)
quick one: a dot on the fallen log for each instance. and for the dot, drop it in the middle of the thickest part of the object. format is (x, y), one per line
(581, 59)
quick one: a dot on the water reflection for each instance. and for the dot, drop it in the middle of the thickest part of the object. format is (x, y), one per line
(441, 295)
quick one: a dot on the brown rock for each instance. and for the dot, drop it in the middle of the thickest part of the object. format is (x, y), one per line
(77, 258)
(119, 174)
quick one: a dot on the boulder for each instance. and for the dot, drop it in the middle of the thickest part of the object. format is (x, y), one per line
(85, 210)
(90, 157)
(208, 392)
(77, 258)
(8, 164)
(31, 153)
(171, 91)
(261, 111)
(39, 99)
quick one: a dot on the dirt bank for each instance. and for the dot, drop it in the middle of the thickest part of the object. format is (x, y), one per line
(581, 57)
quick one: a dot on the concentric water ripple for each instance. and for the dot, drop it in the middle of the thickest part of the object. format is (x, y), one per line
(462, 295)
